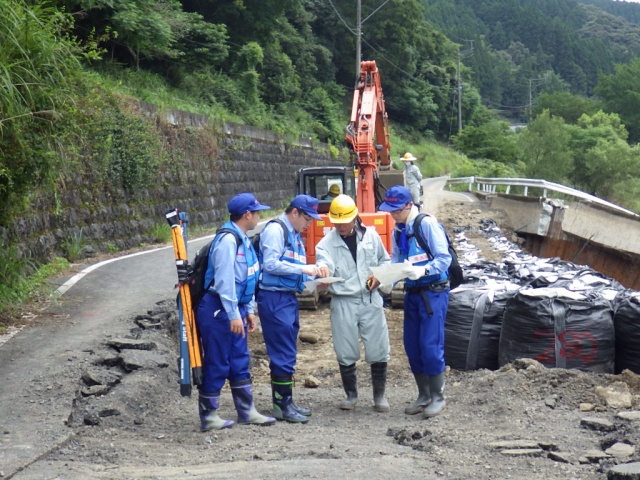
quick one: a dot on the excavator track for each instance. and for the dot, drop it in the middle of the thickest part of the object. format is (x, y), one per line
(308, 300)
(397, 295)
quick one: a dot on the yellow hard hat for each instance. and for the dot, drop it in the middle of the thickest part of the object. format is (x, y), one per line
(408, 158)
(342, 209)
(335, 188)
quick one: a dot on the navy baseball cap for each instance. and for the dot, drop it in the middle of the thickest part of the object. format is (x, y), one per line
(243, 203)
(306, 204)
(395, 199)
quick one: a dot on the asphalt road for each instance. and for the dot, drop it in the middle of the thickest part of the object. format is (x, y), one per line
(39, 366)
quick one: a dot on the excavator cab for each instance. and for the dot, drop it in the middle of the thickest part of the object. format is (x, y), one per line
(323, 183)
(326, 183)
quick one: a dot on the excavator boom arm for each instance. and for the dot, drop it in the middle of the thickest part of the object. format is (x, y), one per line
(368, 134)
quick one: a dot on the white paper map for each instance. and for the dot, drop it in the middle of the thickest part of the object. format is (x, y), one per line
(313, 284)
(390, 273)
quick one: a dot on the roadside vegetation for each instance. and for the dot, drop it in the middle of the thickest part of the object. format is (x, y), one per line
(70, 68)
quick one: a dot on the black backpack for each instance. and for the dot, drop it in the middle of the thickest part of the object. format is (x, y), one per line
(255, 241)
(456, 277)
(195, 278)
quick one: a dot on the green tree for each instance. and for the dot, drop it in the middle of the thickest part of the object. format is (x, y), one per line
(485, 168)
(38, 71)
(280, 83)
(157, 30)
(418, 66)
(627, 192)
(417, 62)
(492, 141)
(326, 113)
(248, 61)
(566, 105)
(607, 164)
(545, 149)
(603, 158)
(621, 94)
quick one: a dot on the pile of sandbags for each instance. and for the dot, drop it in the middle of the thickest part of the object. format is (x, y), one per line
(562, 314)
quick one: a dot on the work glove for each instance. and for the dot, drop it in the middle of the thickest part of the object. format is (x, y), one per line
(183, 270)
(414, 272)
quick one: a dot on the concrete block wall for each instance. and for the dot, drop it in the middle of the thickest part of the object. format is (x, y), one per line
(211, 166)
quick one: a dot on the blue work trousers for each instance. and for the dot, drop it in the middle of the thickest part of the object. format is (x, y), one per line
(226, 354)
(424, 333)
(280, 319)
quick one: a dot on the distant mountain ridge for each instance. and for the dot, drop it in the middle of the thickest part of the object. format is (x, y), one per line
(515, 45)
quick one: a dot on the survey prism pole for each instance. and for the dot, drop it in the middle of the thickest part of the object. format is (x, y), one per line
(193, 341)
(184, 365)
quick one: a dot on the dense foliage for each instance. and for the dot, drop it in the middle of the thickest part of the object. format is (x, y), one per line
(289, 65)
(38, 66)
(517, 49)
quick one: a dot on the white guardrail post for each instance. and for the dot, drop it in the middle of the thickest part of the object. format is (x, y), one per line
(486, 184)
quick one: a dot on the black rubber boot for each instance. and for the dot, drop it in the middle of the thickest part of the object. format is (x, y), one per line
(437, 405)
(350, 384)
(242, 393)
(424, 397)
(379, 382)
(282, 395)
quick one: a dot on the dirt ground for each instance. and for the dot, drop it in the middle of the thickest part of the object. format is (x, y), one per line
(523, 421)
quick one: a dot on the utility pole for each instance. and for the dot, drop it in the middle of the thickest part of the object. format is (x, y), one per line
(359, 23)
(461, 55)
(459, 95)
(358, 37)
(539, 81)
(530, 101)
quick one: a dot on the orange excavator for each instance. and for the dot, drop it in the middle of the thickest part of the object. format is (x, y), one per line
(367, 136)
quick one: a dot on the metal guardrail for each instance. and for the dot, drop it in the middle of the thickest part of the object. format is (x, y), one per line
(488, 185)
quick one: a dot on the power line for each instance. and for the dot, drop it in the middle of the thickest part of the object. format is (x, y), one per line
(342, 19)
(411, 76)
(515, 107)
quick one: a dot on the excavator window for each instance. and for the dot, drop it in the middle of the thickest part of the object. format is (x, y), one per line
(324, 184)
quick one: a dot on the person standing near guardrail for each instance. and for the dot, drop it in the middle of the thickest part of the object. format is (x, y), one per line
(284, 270)
(412, 178)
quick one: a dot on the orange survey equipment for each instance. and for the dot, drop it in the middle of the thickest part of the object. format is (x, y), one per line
(182, 265)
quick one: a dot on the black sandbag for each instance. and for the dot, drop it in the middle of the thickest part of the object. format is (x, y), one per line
(627, 325)
(537, 272)
(472, 329)
(479, 272)
(559, 328)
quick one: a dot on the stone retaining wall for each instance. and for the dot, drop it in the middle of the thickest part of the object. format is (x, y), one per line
(211, 165)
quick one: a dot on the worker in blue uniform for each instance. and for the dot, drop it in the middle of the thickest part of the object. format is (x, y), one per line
(284, 270)
(225, 315)
(426, 298)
